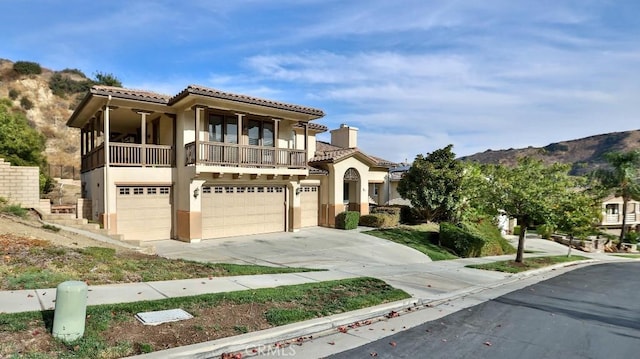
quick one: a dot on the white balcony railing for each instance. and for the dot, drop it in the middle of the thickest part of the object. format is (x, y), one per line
(229, 154)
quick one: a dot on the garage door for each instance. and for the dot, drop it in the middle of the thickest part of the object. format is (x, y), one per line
(144, 212)
(241, 210)
(309, 206)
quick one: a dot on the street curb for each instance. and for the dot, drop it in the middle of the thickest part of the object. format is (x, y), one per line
(270, 340)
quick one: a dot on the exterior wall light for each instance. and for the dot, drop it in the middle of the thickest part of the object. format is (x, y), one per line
(298, 190)
(196, 192)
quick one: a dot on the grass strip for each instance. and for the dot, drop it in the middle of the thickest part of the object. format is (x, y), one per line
(111, 329)
(528, 264)
(35, 264)
(416, 237)
(635, 256)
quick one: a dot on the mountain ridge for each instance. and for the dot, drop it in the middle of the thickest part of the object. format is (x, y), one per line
(583, 154)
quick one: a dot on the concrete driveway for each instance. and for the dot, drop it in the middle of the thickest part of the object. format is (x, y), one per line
(314, 247)
(344, 253)
(347, 254)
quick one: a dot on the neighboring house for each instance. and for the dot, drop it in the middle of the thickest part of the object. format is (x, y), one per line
(395, 175)
(612, 212)
(209, 164)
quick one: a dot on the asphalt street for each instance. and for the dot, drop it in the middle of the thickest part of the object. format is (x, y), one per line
(591, 312)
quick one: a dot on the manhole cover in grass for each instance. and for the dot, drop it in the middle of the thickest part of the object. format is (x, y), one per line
(162, 316)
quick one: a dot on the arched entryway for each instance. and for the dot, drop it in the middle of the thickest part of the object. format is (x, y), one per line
(351, 190)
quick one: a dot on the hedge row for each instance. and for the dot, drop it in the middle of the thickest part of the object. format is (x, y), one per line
(379, 220)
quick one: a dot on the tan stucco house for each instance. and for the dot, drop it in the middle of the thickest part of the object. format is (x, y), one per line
(612, 213)
(209, 164)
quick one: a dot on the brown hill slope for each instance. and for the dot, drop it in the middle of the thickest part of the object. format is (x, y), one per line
(584, 155)
(45, 111)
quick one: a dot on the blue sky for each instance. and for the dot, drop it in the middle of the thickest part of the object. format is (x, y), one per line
(413, 76)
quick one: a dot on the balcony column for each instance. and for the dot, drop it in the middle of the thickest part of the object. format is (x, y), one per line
(92, 144)
(276, 132)
(240, 116)
(276, 138)
(241, 153)
(83, 137)
(143, 136)
(306, 144)
(105, 187)
(196, 142)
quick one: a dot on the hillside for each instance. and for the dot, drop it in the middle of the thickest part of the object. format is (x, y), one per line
(584, 155)
(46, 111)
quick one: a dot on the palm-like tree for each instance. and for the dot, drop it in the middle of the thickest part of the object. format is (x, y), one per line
(622, 179)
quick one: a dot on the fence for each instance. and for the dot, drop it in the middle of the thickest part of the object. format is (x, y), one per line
(65, 172)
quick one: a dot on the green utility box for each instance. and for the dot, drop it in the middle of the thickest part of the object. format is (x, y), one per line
(71, 310)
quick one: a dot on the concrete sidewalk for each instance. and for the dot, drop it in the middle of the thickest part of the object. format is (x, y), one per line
(44, 299)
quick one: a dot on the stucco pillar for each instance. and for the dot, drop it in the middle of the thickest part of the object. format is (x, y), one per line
(189, 222)
(106, 180)
(295, 210)
(363, 202)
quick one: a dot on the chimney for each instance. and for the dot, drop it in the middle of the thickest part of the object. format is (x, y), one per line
(345, 137)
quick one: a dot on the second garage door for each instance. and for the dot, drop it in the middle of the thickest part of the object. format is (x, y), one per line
(144, 212)
(241, 210)
(309, 206)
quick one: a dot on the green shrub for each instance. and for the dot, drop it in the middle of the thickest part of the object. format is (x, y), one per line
(632, 237)
(26, 103)
(379, 220)
(15, 209)
(474, 239)
(62, 85)
(107, 79)
(461, 241)
(74, 72)
(545, 230)
(409, 215)
(50, 227)
(13, 94)
(516, 230)
(347, 220)
(27, 68)
(393, 212)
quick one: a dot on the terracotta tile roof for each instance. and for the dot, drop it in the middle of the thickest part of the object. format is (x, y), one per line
(382, 162)
(314, 127)
(120, 92)
(209, 92)
(326, 152)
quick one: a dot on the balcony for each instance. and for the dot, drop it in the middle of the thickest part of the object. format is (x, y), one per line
(234, 155)
(129, 155)
(632, 218)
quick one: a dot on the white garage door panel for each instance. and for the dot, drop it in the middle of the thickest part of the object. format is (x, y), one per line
(236, 210)
(309, 206)
(144, 213)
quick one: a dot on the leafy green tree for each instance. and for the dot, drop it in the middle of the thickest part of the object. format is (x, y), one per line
(432, 184)
(529, 192)
(577, 213)
(476, 192)
(20, 144)
(622, 179)
(106, 79)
